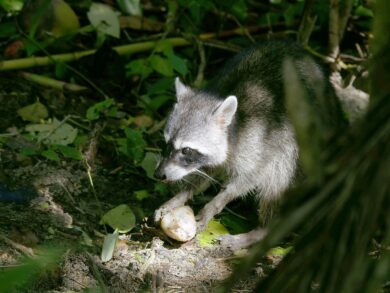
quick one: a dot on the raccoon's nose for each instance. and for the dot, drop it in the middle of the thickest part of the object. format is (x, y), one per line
(159, 174)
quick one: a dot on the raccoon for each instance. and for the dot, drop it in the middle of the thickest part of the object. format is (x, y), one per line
(238, 127)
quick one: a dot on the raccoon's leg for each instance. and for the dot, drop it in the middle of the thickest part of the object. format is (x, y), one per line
(268, 206)
(177, 201)
(217, 204)
(235, 242)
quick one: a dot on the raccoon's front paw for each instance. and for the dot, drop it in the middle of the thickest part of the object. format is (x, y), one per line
(202, 219)
(201, 223)
(231, 241)
(161, 212)
(200, 226)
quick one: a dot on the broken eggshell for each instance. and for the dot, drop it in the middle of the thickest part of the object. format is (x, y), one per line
(179, 224)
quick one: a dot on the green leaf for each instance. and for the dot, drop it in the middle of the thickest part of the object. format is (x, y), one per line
(93, 113)
(196, 11)
(161, 65)
(239, 9)
(109, 246)
(149, 164)
(133, 146)
(139, 67)
(28, 151)
(34, 112)
(104, 19)
(208, 237)
(161, 86)
(141, 194)
(51, 155)
(80, 140)
(70, 152)
(363, 11)
(8, 29)
(279, 251)
(63, 135)
(161, 188)
(120, 218)
(156, 102)
(11, 5)
(60, 70)
(131, 7)
(178, 64)
(53, 133)
(165, 47)
(235, 224)
(292, 12)
(15, 278)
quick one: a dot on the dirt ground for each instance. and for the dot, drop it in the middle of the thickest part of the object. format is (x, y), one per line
(142, 262)
(53, 204)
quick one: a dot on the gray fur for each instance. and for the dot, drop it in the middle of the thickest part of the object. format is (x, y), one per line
(253, 144)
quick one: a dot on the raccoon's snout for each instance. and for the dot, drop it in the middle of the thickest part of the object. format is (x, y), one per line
(159, 173)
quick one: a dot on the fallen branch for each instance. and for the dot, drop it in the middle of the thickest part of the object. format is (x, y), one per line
(121, 50)
(68, 57)
(50, 82)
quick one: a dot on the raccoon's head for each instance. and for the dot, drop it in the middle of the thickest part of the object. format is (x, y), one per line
(196, 133)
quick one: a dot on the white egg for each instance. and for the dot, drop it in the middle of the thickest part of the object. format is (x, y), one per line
(179, 224)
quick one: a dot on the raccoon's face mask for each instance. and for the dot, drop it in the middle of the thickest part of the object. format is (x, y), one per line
(196, 133)
(177, 163)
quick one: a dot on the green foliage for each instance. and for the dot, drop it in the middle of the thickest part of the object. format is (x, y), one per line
(163, 61)
(133, 145)
(210, 235)
(120, 218)
(19, 277)
(235, 224)
(51, 155)
(94, 112)
(7, 29)
(139, 67)
(11, 5)
(197, 9)
(146, 90)
(141, 194)
(56, 137)
(149, 163)
(161, 65)
(132, 7)
(280, 251)
(34, 112)
(339, 215)
(104, 19)
(69, 152)
(53, 132)
(109, 246)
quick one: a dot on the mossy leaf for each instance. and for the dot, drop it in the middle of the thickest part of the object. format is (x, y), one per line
(213, 231)
(121, 218)
(34, 112)
(109, 246)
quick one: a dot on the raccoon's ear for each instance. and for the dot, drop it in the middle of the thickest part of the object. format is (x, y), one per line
(225, 112)
(181, 89)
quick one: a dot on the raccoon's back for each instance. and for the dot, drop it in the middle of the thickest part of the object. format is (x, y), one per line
(255, 77)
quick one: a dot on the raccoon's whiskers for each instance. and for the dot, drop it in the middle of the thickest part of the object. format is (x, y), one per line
(188, 182)
(205, 175)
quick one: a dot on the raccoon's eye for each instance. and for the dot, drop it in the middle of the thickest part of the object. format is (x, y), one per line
(186, 151)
